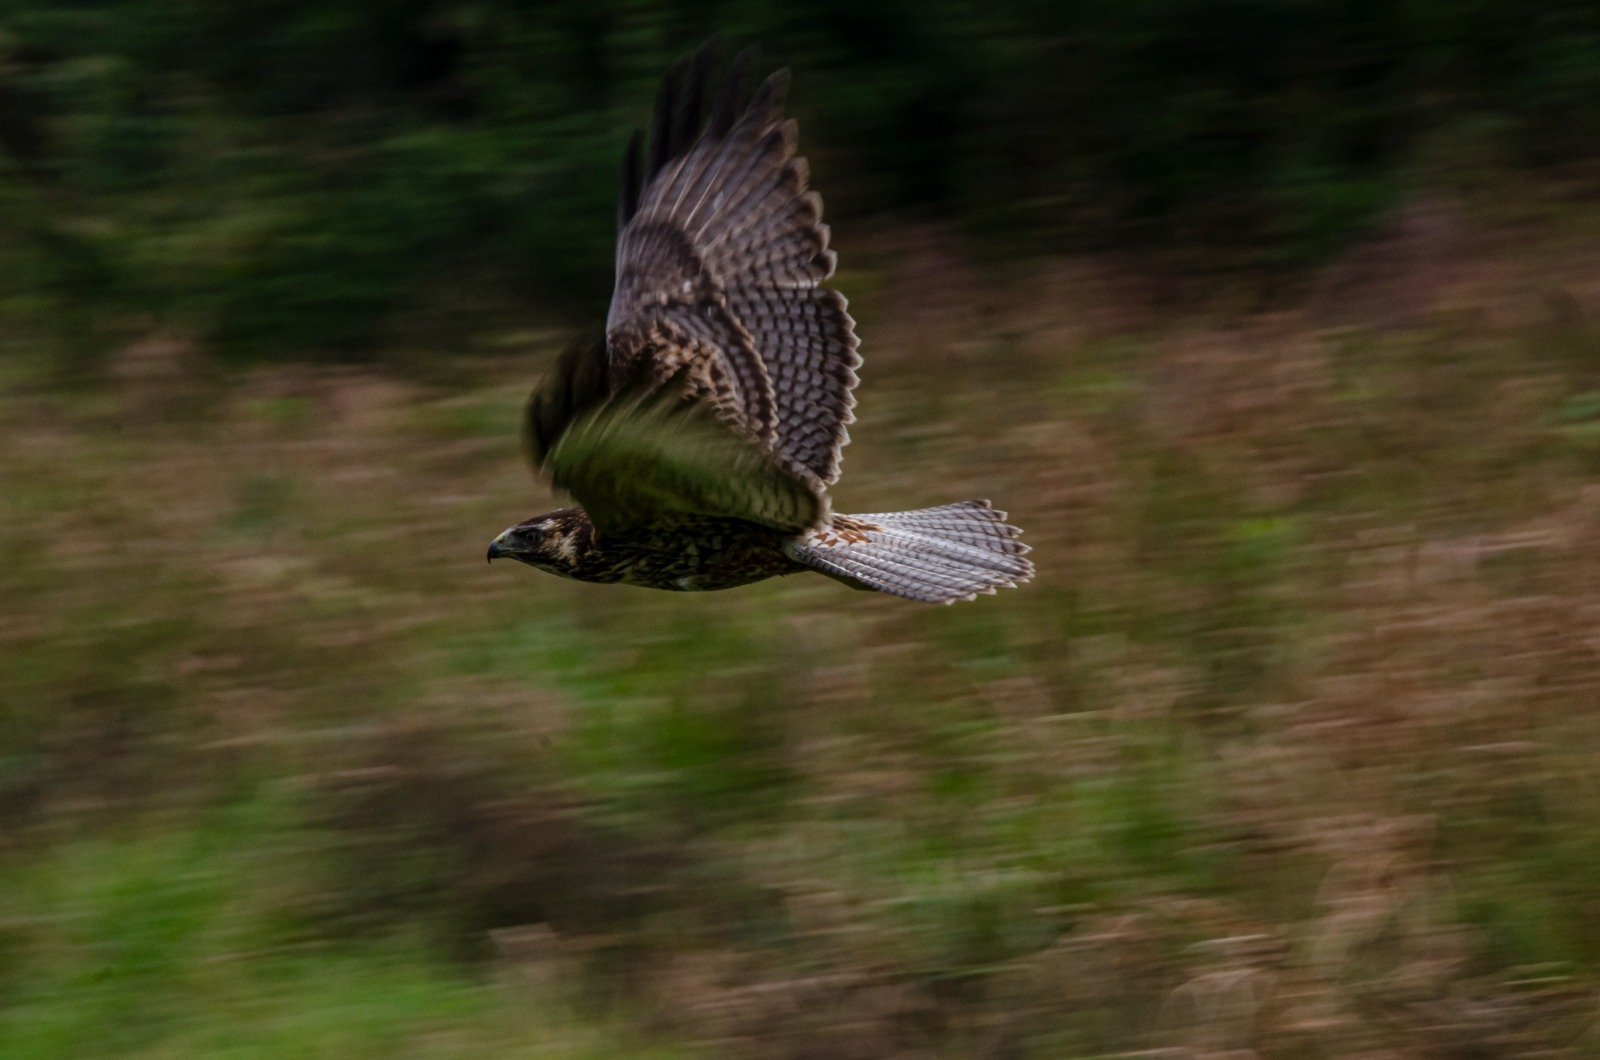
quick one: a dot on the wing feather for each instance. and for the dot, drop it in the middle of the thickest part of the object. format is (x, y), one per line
(641, 461)
(636, 453)
(721, 256)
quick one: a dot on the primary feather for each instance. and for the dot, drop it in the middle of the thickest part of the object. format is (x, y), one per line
(720, 261)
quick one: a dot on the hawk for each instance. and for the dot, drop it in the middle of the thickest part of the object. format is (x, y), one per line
(700, 434)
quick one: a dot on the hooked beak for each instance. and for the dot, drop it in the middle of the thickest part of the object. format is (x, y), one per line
(496, 550)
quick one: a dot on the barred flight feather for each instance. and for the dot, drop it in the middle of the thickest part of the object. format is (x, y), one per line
(722, 229)
(937, 555)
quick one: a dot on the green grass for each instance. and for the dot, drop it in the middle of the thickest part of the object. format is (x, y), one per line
(1296, 726)
(185, 942)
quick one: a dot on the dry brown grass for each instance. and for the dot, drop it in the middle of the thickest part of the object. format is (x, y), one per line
(1289, 752)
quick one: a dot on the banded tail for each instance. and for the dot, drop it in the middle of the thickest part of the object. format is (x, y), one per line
(938, 555)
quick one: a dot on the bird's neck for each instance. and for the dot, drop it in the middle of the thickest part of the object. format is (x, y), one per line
(571, 546)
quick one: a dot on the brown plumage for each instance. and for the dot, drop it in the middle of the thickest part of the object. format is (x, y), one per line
(701, 432)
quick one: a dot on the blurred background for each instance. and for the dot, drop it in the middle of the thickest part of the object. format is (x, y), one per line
(1273, 321)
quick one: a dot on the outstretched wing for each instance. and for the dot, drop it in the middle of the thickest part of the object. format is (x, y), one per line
(720, 261)
(634, 453)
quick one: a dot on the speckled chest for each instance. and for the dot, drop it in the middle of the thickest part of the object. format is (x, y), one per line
(693, 555)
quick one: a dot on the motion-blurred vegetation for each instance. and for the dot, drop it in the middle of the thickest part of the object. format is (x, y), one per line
(292, 176)
(1291, 748)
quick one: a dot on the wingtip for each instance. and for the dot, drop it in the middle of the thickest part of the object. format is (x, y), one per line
(767, 105)
(729, 102)
(632, 179)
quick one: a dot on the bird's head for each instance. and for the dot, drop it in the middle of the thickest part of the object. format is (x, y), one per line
(553, 542)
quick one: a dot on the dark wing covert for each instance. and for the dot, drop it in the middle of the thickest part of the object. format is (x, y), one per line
(635, 454)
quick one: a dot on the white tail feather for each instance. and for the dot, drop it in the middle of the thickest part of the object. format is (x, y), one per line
(939, 555)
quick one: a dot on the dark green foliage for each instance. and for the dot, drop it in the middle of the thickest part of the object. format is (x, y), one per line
(288, 175)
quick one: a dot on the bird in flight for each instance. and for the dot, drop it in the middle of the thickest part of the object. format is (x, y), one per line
(701, 432)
